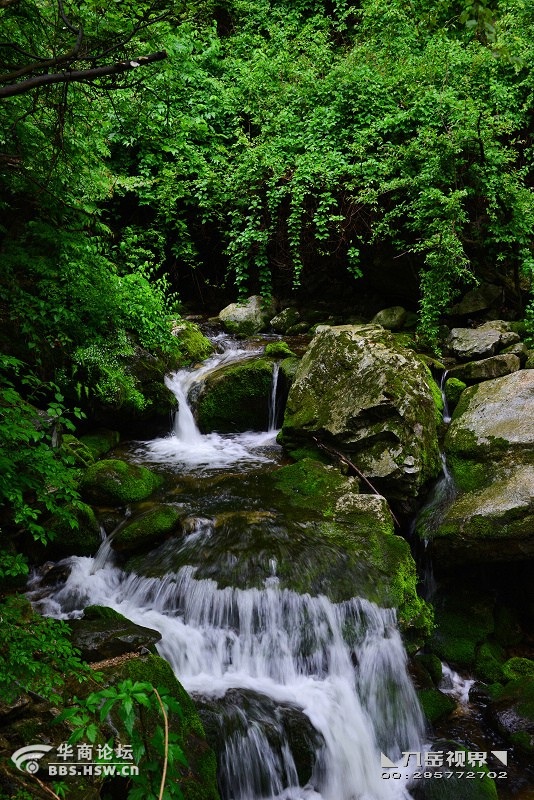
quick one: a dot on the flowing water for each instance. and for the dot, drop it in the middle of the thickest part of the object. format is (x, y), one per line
(265, 657)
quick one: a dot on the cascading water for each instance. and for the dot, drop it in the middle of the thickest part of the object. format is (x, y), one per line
(340, 666)
(273, 409)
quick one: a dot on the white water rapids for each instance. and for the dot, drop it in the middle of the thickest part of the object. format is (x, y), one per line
(342, 666)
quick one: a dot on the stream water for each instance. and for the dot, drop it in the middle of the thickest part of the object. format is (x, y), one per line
(262, 660)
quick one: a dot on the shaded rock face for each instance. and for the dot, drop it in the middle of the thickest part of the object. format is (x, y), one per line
(357, 390)
(248, 318)
(391, 318)
(478, 299)
(107, 636)
(490, 450)
(236, 398)
(512, 713)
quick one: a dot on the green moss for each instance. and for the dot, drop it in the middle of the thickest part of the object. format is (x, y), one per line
(453, 390)
(516, 668)
(436, 395)
(194, 346)
(432, 665)
(468, 475)
(463, 621)
(310, 484)
(79, 451)
(279, 350)
(116, 482)
(103, 612)
(100, 442)
(148, 529)
(489, 662)
(236, 398)
(435, 704)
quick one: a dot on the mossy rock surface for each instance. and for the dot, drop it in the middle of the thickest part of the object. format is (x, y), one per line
(435, 704)
(456, 786)
(279, 350)
(489, 662)
(487, 369)
(493, 524)
(194, 346)
(357, 390)
(516, 668)
(323, 537)
(148, 529)
(101, 441)
(236, 398)
(463, 622)
(116, 482)
(453, 390)
(512, 713)
(79, 451)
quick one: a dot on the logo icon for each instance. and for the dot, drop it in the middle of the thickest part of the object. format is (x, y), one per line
(27, 758)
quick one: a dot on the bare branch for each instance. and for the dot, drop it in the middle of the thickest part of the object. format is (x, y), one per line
(71, 76)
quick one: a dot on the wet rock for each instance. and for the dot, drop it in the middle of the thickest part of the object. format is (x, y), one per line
(488, 368)
(236, 398)
(242, 713)
(247, 318)
(115, 482)
(286, 319)
(107, 636)
(147, 530)
(392, 319)
(512, 713)
(491, 525)
(472, 343)
(194, 345)
(100, 441)
(375, 402)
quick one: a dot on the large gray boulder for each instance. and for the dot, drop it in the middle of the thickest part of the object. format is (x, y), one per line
(482, 342)
(490, 451)
(248, 317)
(358, 391)
(488, 368)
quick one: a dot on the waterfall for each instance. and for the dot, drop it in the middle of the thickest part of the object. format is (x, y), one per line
(340, 667)
(343, 665)
(273, 410)
(186, 446)
(446, 412)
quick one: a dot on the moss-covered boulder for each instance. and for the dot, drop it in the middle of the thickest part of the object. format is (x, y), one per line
(453, 390)
(318, 534)
(435, 704)
(278, 350)
(247, 318)
(512, 713)
(194, 346)
(106, 635)
(147, 530)
(286, 319)
(236, 397)
(99, 442)
(491, 524)
(358, 391)
(116, 482)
